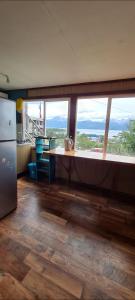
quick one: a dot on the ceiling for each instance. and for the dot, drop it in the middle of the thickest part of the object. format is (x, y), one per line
(44, 43)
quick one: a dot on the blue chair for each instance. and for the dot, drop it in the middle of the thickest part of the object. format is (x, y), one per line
(44, 165)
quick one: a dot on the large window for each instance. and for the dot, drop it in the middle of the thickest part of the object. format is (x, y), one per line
(90, 127)
(33, 118)
(56, 120)
(121, 138)
(46, 117)
(106, 125)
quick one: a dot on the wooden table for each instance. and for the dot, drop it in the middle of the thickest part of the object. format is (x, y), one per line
(92, 155)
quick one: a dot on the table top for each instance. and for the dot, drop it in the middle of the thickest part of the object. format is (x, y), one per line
(92, 155)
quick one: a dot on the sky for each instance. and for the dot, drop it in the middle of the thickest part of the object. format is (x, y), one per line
(91, 109)
(95, 109)
(58, 108)
(88, 109)
(53, 109)
(123, 108)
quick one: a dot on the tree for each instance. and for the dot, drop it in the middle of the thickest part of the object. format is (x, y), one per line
(127, 138)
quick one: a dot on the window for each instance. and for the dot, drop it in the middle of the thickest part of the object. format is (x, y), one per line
(33, 119)
(56, 120)
(121, 138)
(106, 125)
(90, 127)
(46, 117)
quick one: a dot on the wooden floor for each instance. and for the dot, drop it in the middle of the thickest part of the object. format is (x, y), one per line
(64, 243)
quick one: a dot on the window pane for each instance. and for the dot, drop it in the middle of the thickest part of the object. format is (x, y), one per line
(57, 120)
(90, 130)
(35, 109)
(122, 127)
(33, 119)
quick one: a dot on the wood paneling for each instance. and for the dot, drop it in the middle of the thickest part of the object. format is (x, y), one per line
(72, 118)
(67, 243)
(107, 126)
(23, 157)
(92, 88)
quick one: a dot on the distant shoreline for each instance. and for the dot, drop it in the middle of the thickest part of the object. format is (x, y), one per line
(93, 132)
(99, 132)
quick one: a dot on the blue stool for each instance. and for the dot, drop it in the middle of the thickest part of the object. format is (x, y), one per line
(32, 168)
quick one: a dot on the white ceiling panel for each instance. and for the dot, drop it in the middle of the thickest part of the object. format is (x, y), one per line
(45, 43)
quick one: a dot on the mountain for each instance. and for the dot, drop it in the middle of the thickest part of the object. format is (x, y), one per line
(114, 125)
(88, 124)
(56, 122)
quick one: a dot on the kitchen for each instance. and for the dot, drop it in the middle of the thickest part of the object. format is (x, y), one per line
(67, 201)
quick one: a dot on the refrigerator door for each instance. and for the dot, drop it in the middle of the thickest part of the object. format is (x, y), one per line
(7, 120)
(8, 179)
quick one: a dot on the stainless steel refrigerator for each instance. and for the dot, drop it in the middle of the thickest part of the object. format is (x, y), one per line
(8, 177)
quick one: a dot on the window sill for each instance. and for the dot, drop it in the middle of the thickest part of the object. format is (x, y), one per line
(93, 155)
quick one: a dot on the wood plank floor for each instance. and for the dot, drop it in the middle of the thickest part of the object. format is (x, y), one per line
(67, 243)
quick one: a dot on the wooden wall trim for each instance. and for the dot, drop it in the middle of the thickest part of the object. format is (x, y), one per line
(87, 89)
(107, 126)
(72, 117)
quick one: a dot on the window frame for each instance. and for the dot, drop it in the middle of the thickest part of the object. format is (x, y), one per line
(93, 97)
(47, 100)
(62, 99)
(70, 98)
(108, 114)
